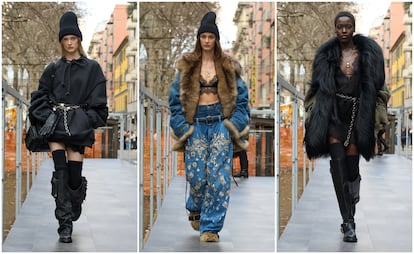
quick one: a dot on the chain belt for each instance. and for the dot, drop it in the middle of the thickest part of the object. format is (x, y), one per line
(353, 115)
(65, 108)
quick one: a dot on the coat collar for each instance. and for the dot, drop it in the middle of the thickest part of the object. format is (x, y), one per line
(227, 71)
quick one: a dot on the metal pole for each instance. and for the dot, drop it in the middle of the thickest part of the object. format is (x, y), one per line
(304, 156)
(27, 171)
(141, 173)
(277, 158)
(406, 133)
(129, 128)
(158, 155)
(33, 166)
(294, 153)
(151, 133)
(18, 156)
(3, 102)
(166, 165)
(121, 139)
(399, 125)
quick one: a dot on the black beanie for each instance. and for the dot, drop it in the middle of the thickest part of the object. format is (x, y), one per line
(69, 25)
(208, 24)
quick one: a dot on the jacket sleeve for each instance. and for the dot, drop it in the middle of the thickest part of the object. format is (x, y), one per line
(238, 123)
(40, 107)
(177, 120)
(381, 115)
(241, 115)
(97, 109)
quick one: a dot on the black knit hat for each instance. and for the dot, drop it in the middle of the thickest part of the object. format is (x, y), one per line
(69, 25)
(208, 24)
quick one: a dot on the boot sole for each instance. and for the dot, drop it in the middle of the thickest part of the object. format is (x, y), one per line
(65, 240)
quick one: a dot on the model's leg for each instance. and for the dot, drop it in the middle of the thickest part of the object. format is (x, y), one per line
(195, 170)
(339, 168)
(63, 211)
(77, 183)
(244, 165)
(219, 166)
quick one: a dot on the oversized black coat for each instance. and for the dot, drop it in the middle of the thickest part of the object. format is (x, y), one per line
(322, 94)
(77, 82)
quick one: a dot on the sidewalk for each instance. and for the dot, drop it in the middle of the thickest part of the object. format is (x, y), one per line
(249, 224)
(383, 215)
(109, 213)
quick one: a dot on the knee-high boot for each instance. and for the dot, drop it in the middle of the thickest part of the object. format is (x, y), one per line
(338, 172)
(78, 194)
(63, 211)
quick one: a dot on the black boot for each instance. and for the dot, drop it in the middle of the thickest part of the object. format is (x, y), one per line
(242, 173)
(77, 197)
(351, 190)
(63, 211)
(77, 187)
(346, 207)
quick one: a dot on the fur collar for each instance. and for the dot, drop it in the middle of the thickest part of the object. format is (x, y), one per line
(227, 71)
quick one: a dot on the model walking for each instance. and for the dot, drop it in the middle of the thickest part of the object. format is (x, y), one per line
(348, 73)
(73, 88)
(209, 109)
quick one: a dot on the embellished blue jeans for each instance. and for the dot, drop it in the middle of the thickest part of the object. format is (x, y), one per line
(208, 165)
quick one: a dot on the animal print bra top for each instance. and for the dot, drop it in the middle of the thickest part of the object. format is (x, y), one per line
(210, 87)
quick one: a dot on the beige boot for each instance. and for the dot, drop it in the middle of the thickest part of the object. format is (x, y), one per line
(209, 237)
(194, 219)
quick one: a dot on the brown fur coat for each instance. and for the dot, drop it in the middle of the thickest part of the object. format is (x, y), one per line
(228, 72)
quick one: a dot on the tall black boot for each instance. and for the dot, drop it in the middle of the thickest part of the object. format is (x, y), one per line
(338, 171)
(77, 197)
(77, 191)
(63, 211)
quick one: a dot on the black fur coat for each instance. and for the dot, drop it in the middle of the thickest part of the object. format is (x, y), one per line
(322, 99)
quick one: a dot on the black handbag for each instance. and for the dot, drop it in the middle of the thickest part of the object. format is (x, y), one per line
(37, 137)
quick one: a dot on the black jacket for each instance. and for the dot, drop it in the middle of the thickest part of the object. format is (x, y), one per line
(78, 82)
(323, 89)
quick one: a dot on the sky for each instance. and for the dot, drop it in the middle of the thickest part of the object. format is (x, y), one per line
(98, 11)
(371, 10)
(227, 28)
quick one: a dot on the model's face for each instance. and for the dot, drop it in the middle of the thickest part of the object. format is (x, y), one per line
(344, 29)
(207, 41)
(70, 43)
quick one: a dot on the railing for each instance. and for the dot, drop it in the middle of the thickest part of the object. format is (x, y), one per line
(14, 122)
(155, 158)
(291, 119)
(126, 150)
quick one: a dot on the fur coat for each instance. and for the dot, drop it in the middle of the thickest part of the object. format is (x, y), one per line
(232, 93)
(320, 100)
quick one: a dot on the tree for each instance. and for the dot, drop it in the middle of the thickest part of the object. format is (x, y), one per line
(301, 28)
(167, 29)
(30, 39)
